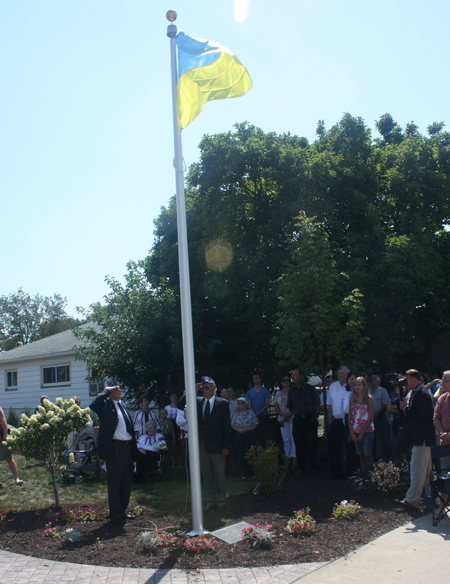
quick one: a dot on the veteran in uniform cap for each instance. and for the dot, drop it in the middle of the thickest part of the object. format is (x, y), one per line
(116, 443)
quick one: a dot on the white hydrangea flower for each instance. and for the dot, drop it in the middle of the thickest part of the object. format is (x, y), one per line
(45, 426)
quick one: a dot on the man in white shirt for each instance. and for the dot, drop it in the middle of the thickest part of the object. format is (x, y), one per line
(337, 403)
(116, 443)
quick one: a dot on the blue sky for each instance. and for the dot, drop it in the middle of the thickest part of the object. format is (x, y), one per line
(86, 143)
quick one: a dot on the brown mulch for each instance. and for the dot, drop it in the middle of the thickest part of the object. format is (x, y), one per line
(22, 532)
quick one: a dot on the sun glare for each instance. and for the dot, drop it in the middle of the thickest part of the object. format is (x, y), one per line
(241, 10)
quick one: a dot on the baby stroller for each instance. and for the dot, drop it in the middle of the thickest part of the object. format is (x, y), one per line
(86, 462)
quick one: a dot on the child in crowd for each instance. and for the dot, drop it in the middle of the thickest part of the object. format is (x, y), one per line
(361, 407)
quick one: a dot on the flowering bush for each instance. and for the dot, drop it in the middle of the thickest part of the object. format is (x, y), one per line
(139, 510)
(200, 543)
(270, 467)
(51, 532)
(80, 515)
(261, 535)
(152, 540)
(302, 524)
(2, 515)
(385, 476)
(345, 510)
(43, 435)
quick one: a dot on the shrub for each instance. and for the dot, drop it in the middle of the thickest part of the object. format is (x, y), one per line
(139, 510)
(72, 534)
(80, 515)
(302, 524)
(200, 543)
(26, 411)
(51, 532)
(385, 477)
(260, 535)
(345, 510)
(2, 516)
(44, 434)
(150, 541)
(12, 418)
(269, 466)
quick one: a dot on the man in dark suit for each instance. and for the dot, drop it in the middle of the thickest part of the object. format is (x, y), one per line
(214, 429)
(418, 410)
(116, 443)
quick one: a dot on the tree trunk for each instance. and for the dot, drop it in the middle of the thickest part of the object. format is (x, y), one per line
(52, 471)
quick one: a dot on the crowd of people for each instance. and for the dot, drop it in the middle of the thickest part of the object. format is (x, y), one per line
(366, 423)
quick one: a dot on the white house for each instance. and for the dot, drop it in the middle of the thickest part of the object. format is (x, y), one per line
(45, 367)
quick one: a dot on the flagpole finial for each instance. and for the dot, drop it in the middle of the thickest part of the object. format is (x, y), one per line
(172, 30)
(171, 15)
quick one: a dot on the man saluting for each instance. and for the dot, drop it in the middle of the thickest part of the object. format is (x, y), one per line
(116, 443)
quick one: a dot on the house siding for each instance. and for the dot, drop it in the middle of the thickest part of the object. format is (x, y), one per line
(29, 383)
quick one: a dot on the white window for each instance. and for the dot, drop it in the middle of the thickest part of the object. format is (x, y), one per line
(95, 386)
(58, 375)
(11, 380)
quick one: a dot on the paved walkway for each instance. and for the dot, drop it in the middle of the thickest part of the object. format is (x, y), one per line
(413, 554)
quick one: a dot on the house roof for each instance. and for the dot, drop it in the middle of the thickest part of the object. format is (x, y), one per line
(60, 344)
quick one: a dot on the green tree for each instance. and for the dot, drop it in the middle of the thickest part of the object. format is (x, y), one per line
(321, 319)
(43, 436)
(25, 318)
(137, 338)
(381, 208)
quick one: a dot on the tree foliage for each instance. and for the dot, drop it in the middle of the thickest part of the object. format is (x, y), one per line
(298, 242)
(43, 436)
(320, 320)
(25, 318)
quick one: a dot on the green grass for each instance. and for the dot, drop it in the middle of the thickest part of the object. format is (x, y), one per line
(37, 490)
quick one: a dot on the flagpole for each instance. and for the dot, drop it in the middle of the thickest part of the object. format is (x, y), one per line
(185, 297)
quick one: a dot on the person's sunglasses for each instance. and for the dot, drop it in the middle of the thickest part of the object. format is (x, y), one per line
(285, 380)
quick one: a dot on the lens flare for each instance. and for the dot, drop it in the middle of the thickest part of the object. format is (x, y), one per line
(219, 255)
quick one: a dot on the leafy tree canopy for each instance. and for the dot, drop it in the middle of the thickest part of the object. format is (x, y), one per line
(289, 240)
(25, 318)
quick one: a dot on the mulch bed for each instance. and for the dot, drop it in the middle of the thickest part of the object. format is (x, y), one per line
(22, 532)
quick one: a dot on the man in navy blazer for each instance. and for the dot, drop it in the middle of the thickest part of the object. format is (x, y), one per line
(116, 443)
(214, 429)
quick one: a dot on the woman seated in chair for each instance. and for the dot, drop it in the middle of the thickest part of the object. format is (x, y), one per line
(149, 449)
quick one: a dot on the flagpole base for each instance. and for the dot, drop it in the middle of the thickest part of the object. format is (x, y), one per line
(193, 533)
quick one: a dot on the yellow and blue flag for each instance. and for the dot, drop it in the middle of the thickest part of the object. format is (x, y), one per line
(206, 71)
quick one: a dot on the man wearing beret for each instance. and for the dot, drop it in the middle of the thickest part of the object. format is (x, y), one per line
(116, 443)
(214, 429)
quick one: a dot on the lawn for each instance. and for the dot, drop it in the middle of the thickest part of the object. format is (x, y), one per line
(37, 490)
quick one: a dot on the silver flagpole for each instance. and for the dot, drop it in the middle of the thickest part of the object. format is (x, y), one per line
(185, 296)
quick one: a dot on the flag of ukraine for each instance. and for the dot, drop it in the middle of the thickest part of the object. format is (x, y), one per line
(206, 71)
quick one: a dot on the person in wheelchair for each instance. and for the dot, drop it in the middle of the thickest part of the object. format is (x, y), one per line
(150, 447)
